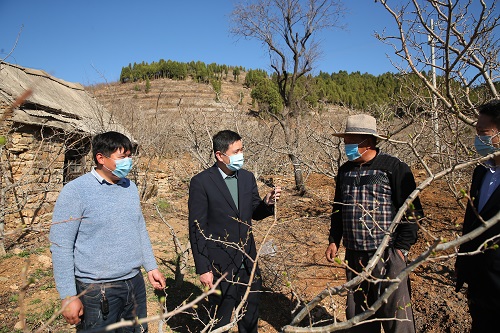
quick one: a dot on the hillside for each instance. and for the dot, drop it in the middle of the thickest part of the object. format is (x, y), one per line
(166, 95)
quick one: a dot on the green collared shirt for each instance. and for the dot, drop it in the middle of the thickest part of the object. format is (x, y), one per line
(232, 185)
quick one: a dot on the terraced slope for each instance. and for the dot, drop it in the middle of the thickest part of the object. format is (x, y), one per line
(167, 95)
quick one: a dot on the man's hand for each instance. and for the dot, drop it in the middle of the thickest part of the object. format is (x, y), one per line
(273, 196)
(207, 279)
(331, 252)
(400, 253)
(73, 309)
(156, 279)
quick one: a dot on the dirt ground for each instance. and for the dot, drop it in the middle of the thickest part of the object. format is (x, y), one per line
(297, 271)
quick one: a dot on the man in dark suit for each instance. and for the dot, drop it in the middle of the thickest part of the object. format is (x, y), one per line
(223, 200)
(481, 271)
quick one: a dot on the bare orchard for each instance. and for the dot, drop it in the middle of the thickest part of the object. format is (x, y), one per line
(176, 145)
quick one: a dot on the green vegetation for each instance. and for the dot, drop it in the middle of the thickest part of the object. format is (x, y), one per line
(163, 205)
(50, 285)
(5, 329)
(354, 90)
(40, 273)
(174, 70)
(267, 95)
(34, 318)
(217, 85)
(236, 74)
(24, 254)
(254, 76)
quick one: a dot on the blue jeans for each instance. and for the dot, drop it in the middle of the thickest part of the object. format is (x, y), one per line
(126, 299)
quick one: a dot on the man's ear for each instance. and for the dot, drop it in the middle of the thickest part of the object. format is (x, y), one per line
(100, 158)
(218, 156)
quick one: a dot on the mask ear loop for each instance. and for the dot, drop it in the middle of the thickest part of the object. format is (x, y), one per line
(485, 164)
(495, 136)
(365, 149)
(363, 141)
(109, 158)
(497, 146)
(490, 143)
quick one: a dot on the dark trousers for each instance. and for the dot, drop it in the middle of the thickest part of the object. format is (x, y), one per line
(398, 304)
(126, 299)
(483, 319)
(231, 294)
(484, 304)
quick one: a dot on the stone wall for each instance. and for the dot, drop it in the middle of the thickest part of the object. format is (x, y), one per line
(32, 167)
(33, 161)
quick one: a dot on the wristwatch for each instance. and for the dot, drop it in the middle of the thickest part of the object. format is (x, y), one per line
(404, 252)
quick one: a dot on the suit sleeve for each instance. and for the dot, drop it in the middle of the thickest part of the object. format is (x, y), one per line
(403, 185)
(463, 263)
(336, 226)
(198, 225)
(260, 209)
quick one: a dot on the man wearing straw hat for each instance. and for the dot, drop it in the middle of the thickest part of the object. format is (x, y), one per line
(370, 188)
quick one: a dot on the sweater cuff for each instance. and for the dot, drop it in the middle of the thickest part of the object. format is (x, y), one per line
(150, 267)
(68, 291)
(331, 240)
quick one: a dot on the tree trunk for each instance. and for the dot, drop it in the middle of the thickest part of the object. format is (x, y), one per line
(291, 142)
(3, 207)
(297, 171)
(181, 264)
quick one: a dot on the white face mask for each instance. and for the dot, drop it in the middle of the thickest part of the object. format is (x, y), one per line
(235, 162)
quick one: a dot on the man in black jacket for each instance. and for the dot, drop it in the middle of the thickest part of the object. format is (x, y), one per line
(370, 189)
(223, 200)
(481, 271)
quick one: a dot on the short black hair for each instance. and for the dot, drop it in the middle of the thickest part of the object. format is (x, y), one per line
(109, 142)
(492, 110)
(223, 139)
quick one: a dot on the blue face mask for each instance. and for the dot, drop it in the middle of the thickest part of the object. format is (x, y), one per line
(123, 167)
(235, 162)
(352, 152)
(483, 145)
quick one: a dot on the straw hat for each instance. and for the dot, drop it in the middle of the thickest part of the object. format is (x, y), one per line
(361, 124)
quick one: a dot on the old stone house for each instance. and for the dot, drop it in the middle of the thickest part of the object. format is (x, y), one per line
(45, 129)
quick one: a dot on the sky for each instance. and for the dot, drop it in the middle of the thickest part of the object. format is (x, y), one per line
(90, 41)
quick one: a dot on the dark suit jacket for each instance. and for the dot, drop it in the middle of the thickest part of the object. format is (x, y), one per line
(481, 270)
(213, 215)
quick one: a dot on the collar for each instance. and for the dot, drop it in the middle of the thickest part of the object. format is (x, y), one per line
(224, 176)
(491, 166)
(101, 180)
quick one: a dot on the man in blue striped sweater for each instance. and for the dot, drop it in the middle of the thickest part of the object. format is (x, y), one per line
(99, 242)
